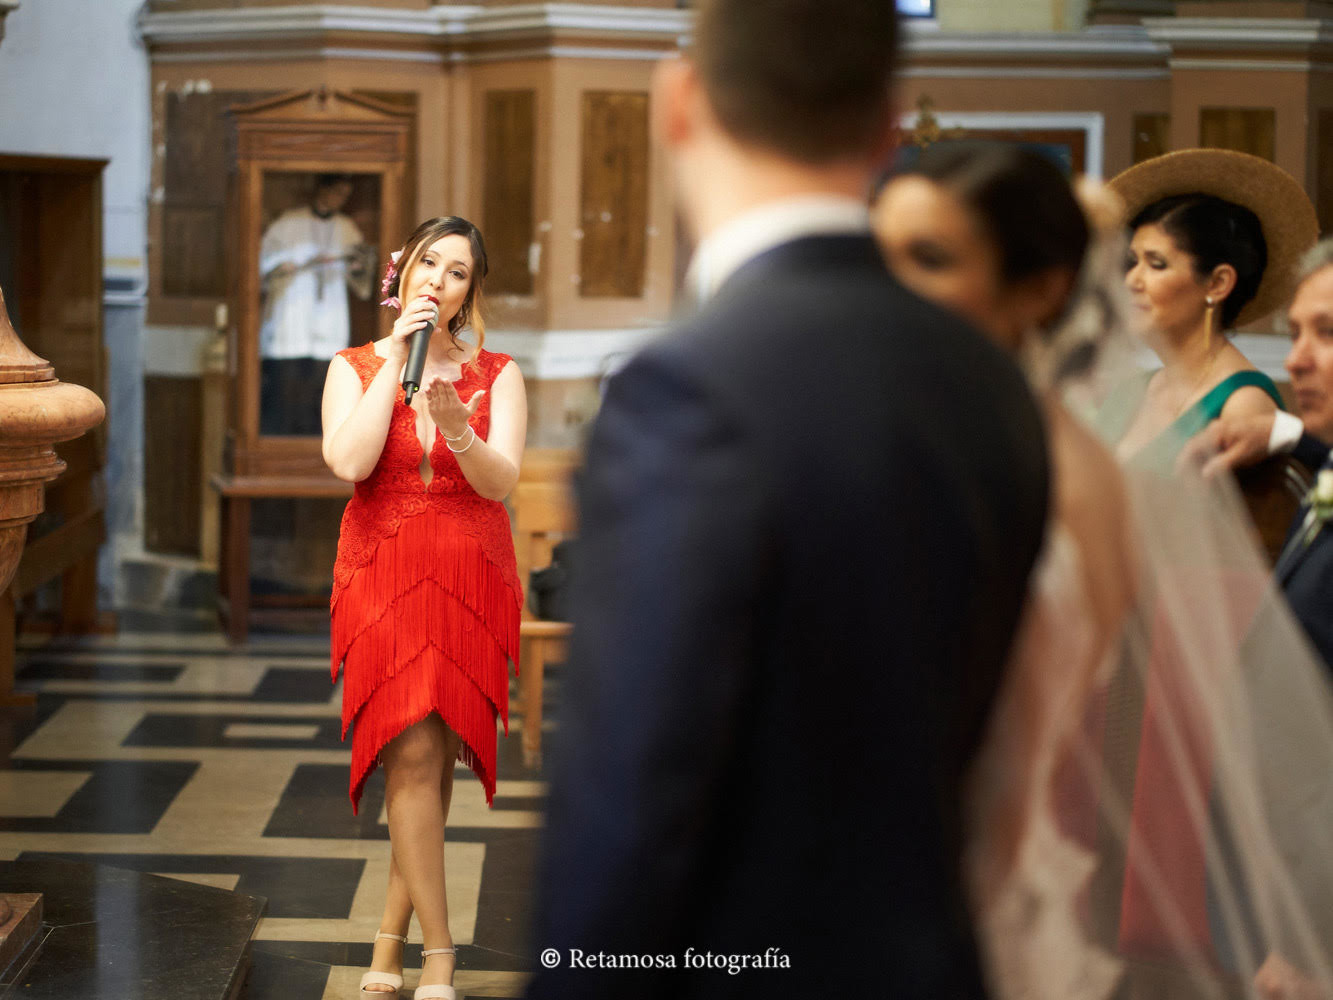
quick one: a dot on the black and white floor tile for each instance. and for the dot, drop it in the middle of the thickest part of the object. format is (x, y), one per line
(175, 755)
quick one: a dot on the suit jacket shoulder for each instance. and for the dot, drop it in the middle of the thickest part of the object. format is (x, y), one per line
(1310, 451)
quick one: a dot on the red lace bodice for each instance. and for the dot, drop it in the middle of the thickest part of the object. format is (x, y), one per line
(395, 490)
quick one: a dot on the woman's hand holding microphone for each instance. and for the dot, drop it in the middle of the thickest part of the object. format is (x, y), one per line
(423, 310)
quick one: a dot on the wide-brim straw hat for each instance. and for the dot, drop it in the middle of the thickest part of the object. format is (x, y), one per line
(1289, 221)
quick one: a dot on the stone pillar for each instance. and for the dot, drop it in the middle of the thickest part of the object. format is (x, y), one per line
(5, 7)
(213, 439)
(1245, 75)
(36, 411)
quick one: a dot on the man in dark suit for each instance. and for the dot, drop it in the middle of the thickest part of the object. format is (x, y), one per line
(1305, 571)
(807, 519)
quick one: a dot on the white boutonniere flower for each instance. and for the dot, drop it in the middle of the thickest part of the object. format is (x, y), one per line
(1320, 499)
(1323, 487)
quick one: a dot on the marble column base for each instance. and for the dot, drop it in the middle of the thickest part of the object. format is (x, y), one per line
(111, 934)
(20, 923)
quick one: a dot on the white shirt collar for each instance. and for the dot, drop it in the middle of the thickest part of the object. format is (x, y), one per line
(747, 236)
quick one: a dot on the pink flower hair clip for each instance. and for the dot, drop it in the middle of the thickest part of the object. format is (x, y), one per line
(390, 273)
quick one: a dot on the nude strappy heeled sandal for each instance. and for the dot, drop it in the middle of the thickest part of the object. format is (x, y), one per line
(383, 978)
(436, 992)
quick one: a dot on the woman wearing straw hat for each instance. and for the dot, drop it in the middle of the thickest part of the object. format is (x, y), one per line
(1215, 235)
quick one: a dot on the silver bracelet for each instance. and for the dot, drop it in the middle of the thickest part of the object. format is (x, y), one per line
(460, 437)
(459, 451)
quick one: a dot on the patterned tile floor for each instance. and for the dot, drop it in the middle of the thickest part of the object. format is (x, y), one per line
(174, 754)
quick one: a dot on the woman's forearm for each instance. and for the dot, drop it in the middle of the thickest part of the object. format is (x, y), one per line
(485, 468)
(356, 446)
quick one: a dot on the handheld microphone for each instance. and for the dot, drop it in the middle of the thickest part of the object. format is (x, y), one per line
(416, 357)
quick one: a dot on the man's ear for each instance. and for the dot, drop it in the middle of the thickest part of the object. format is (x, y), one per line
(676, 94)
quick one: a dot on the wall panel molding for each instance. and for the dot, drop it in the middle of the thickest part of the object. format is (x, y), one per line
(1091, 123)
(452, 28)
(1106, 42)
(613, 216)
(509, 189)
(570, 354)
(1238, 32)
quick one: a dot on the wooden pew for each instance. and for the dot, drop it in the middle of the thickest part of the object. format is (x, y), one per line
(61, 545)
(543, 513)
(1273, 491)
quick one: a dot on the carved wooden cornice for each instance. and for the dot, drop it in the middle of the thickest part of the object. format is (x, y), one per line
(1128, 11)
(439, 33)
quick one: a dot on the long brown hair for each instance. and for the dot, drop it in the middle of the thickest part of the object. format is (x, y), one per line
(423, 237)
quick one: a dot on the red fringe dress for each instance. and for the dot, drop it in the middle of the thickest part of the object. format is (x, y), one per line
(426, 597)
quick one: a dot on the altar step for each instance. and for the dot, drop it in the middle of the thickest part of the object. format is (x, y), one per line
(111, 934)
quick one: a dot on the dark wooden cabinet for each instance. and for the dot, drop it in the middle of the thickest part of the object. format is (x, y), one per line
(51, 273)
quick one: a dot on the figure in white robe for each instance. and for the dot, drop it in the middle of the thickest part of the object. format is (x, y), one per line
(309, 258)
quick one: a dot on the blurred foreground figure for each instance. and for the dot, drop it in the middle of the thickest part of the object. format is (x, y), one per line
(994, 232)
(1150, 812)
(807, 521)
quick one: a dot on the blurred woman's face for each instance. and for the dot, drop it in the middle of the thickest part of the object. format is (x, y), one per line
(934, 246)
(1162, 284)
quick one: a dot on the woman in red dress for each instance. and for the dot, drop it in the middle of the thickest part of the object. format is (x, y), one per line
(426, 596)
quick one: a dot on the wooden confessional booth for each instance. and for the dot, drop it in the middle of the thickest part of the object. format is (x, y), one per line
(283, 144)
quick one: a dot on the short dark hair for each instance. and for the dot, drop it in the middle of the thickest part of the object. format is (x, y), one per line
(1214, 231)
(807, 79)
(328, 180)
(1020, 199)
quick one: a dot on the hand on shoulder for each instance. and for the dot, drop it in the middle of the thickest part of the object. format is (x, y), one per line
(1234, 440)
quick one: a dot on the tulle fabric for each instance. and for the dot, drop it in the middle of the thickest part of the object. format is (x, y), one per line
(1028, 876)
(1152, 812)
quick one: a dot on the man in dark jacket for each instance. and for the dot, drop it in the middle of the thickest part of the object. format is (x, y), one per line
(807, 518)
(1305, 571)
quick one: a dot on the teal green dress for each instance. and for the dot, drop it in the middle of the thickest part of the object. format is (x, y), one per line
(1161, 452)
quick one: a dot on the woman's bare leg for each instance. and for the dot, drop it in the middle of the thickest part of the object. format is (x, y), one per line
(417, 764)
(388, 956)
(447, 781)
(446, 963)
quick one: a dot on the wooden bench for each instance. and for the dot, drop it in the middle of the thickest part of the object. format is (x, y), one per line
(1273, 491)
(237, 493)
(543, 514)
(67, 550)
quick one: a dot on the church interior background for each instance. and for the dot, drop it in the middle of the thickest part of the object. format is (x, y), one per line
(152, 751)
